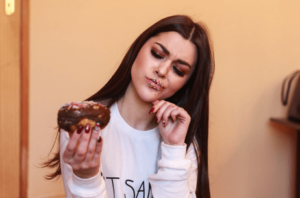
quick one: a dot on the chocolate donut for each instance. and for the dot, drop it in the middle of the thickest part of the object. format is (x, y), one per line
(73, 114)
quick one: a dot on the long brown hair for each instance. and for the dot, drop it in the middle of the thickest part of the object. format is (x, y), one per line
(193, 96)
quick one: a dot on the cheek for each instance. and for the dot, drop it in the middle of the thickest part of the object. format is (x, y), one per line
(136, 67)
(141, 60)
(138, 70)
(175, 86)
(178, 82)
(137, 62)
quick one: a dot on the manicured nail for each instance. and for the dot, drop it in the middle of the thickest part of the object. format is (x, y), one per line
(99, 139)
(79, 129)
(151, 111)
(97, 127)
(87, 128)
(164, 123)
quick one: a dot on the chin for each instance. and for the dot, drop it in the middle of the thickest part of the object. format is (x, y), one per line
(148, 96)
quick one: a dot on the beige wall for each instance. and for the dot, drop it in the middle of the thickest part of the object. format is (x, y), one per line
(75, 46)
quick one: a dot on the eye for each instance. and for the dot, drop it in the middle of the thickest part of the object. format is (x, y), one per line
(177, 71)
(156, 55)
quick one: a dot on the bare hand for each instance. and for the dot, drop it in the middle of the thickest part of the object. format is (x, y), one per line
(83, 151)
(173, 122)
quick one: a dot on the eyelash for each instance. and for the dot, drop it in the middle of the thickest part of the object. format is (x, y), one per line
(176, 70)
(156, 55)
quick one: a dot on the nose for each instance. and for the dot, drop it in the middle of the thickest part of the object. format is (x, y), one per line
(162, 70)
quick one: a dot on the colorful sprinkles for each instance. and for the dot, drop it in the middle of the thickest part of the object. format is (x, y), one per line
(82, 105)
(157, 82)
(155, 87)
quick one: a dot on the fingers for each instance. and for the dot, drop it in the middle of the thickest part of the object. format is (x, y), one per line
(158, 108)
(83, 151)
(175, 114)
(164, 113)
(71, 147)
(98, 151)
(165, 110)
(173, 122)
(83, 145)
(92, 145)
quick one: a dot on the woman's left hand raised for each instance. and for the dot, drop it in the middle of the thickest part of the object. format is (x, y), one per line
(173, 122)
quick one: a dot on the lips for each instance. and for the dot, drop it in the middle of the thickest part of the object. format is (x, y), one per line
(155, 84)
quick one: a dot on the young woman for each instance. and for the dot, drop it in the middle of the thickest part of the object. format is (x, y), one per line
(155, 144)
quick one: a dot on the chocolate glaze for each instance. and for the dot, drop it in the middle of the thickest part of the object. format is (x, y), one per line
(69, 116)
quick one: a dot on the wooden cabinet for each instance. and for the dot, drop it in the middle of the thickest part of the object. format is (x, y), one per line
(296, 126)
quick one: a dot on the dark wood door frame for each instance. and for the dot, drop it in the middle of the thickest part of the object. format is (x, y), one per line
(24, 96)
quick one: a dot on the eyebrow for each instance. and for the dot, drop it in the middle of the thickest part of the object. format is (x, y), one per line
(168, 53)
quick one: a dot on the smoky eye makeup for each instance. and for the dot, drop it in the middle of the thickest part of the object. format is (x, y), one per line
(178, 68)
(178, 71)
(181, 69)
(156, 54)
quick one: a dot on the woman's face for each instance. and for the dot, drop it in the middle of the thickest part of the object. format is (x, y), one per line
(163, 66)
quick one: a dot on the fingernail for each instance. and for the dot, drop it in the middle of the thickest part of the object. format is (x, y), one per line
(87, 128)
(151, 111)
(97, 127)
(164, 123)
(79, 129)
(99, 139)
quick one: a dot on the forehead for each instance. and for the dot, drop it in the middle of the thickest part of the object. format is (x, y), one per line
(179, 47)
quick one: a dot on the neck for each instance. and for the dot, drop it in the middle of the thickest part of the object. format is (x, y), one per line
(135, 111)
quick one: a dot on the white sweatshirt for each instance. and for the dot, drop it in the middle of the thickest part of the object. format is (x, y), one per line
(134, 164)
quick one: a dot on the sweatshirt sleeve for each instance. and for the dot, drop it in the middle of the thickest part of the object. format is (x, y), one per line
(74, 186)
(177, 173)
